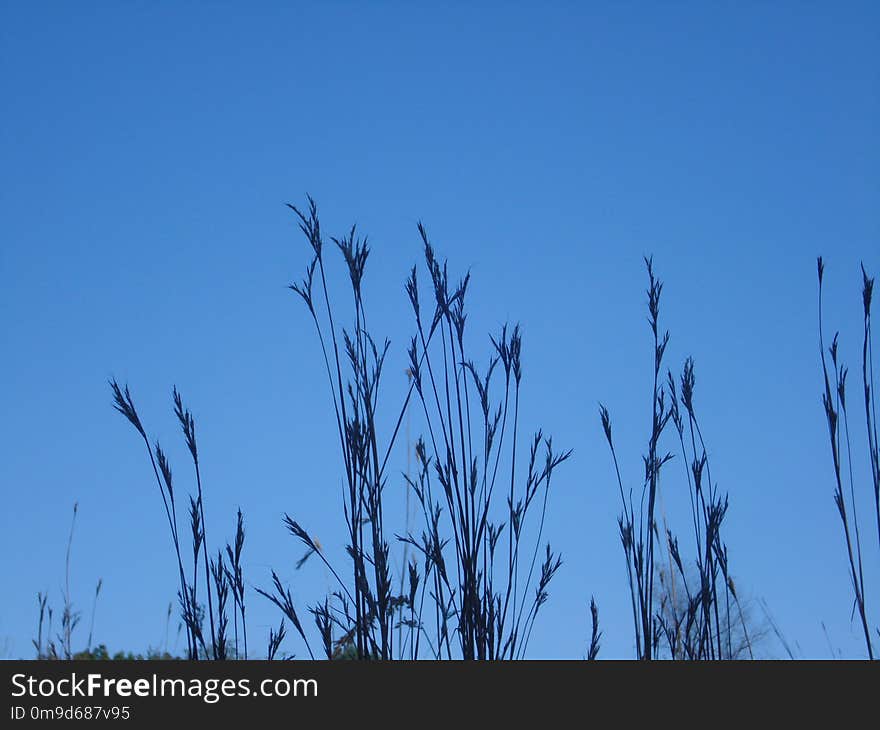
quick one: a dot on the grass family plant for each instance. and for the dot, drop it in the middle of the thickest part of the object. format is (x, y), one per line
(690, 609)
(837, 416)
(60, 645)
(479, 576)
(221, 574)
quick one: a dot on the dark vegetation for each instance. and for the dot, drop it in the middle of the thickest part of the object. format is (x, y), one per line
(476, 587)
(58, 646)
(477, 571)
(701, 625)
(834, 400)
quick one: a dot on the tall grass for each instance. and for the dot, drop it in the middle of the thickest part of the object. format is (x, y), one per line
(834, 401)
(60, 645)
(479, 582)
(702, 626)
(483, 568)
(477, 572)
(220, 574)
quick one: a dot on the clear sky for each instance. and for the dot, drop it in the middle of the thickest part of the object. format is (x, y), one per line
(146, 153)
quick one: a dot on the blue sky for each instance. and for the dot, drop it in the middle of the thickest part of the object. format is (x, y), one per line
(147, 151)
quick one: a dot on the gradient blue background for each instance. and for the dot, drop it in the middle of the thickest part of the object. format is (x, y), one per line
(146, 152)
